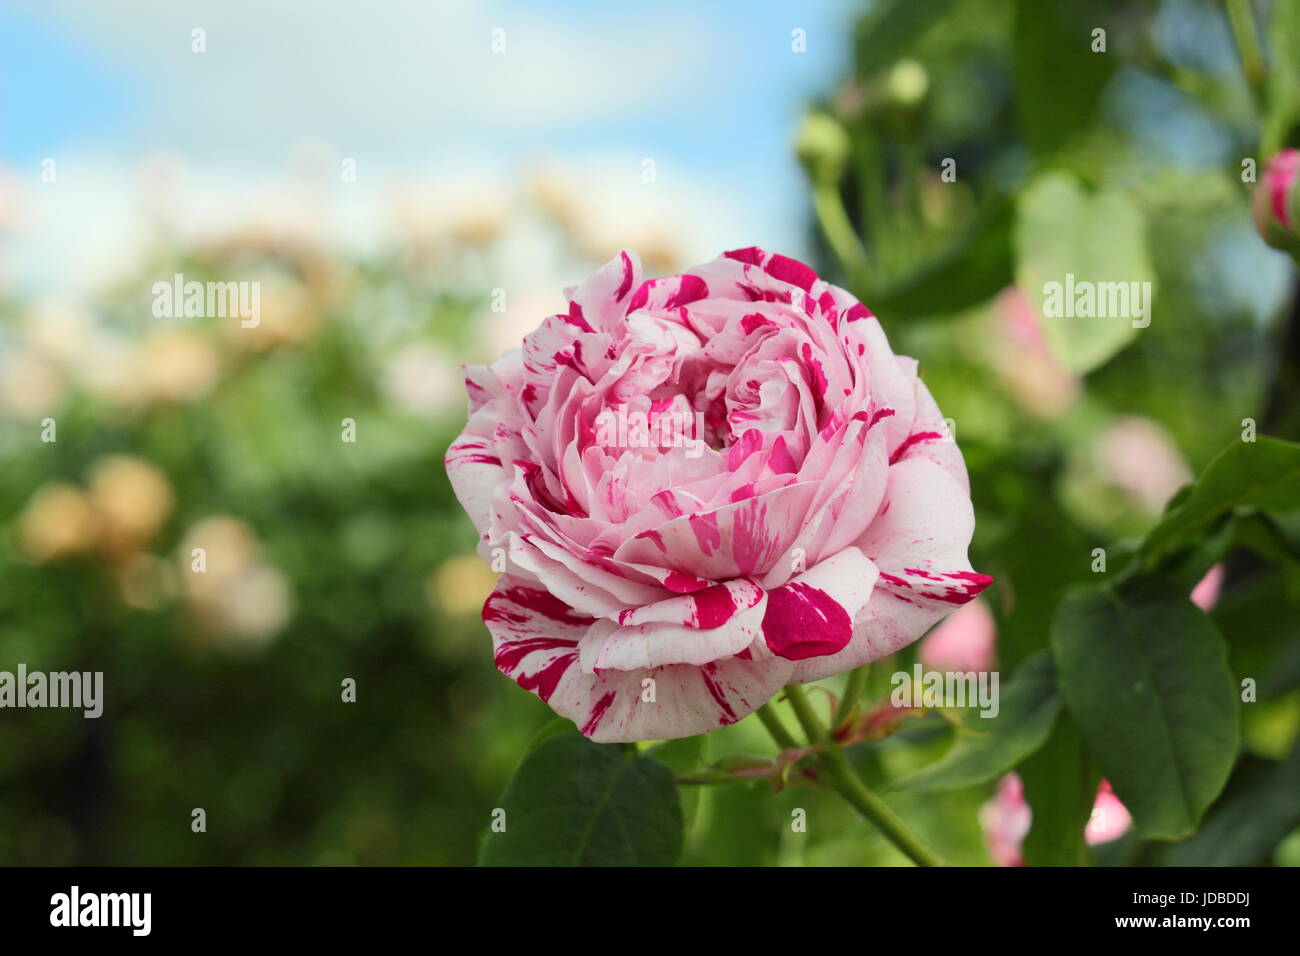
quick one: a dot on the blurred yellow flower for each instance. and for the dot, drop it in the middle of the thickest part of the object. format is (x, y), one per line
(289, 315)
(461, 584)
(132, 498)
(59, 521)
(178, 366)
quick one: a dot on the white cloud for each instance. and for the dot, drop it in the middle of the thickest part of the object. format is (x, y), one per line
(390, 77)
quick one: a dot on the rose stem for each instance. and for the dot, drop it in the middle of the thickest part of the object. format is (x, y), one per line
(852, 694)
(850, 786)
(1242, 21)
(839, 232)
(777, 729)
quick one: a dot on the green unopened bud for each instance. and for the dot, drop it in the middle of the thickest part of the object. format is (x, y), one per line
(823, 147)
(907, 84)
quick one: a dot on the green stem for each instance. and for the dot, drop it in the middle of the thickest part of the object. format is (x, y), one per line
(807, 717)
(839, 232)
(849, 785)
(1244, 33)
(777, 729)
(876, 225)
(852, 694)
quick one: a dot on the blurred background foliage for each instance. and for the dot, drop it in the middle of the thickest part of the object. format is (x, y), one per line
(330, 560)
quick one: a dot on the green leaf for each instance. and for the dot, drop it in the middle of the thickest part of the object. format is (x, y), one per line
(889, 32)
(1146, 678)
(1263, 474)
(576, 803)
(1058, 78)
(554, 727)
(1062, 231)
(974, 269)
(1262, 806)
(993, 745)
(1060, 787)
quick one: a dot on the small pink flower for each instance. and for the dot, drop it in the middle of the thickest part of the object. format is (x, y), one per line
(1006, 820)
(804, 511)
(964, 642)
(1028, 368)
(1110, 819)
(1206, 593)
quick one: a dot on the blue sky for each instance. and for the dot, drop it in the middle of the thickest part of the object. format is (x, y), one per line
(411, 90)
(712, 90)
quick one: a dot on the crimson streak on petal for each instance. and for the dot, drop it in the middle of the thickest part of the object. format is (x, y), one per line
(803, 621)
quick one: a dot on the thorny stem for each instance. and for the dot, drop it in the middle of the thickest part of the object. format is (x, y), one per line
(849, 785)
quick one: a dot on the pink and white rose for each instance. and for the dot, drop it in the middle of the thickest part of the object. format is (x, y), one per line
(807, 513)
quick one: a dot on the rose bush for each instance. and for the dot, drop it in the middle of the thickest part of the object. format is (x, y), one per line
(816, 518)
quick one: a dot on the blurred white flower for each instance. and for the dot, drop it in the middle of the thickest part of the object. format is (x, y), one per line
(1137, 456)
(237, 600)
(31, 385)
(421, 379)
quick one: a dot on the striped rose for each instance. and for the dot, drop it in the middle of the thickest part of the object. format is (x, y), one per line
(814, 517)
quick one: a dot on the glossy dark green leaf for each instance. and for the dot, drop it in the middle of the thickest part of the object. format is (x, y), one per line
(1146, 678)
(990, 746)
(577, 803)
(1263, 474)
(1261, 807)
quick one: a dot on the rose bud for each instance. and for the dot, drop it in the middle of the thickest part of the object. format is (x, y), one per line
(823, 147)
(703, 488)
(1277, 205)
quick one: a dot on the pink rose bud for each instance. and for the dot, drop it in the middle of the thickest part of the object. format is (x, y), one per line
(704, 487)
(1007, 818)
(1275, 204)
